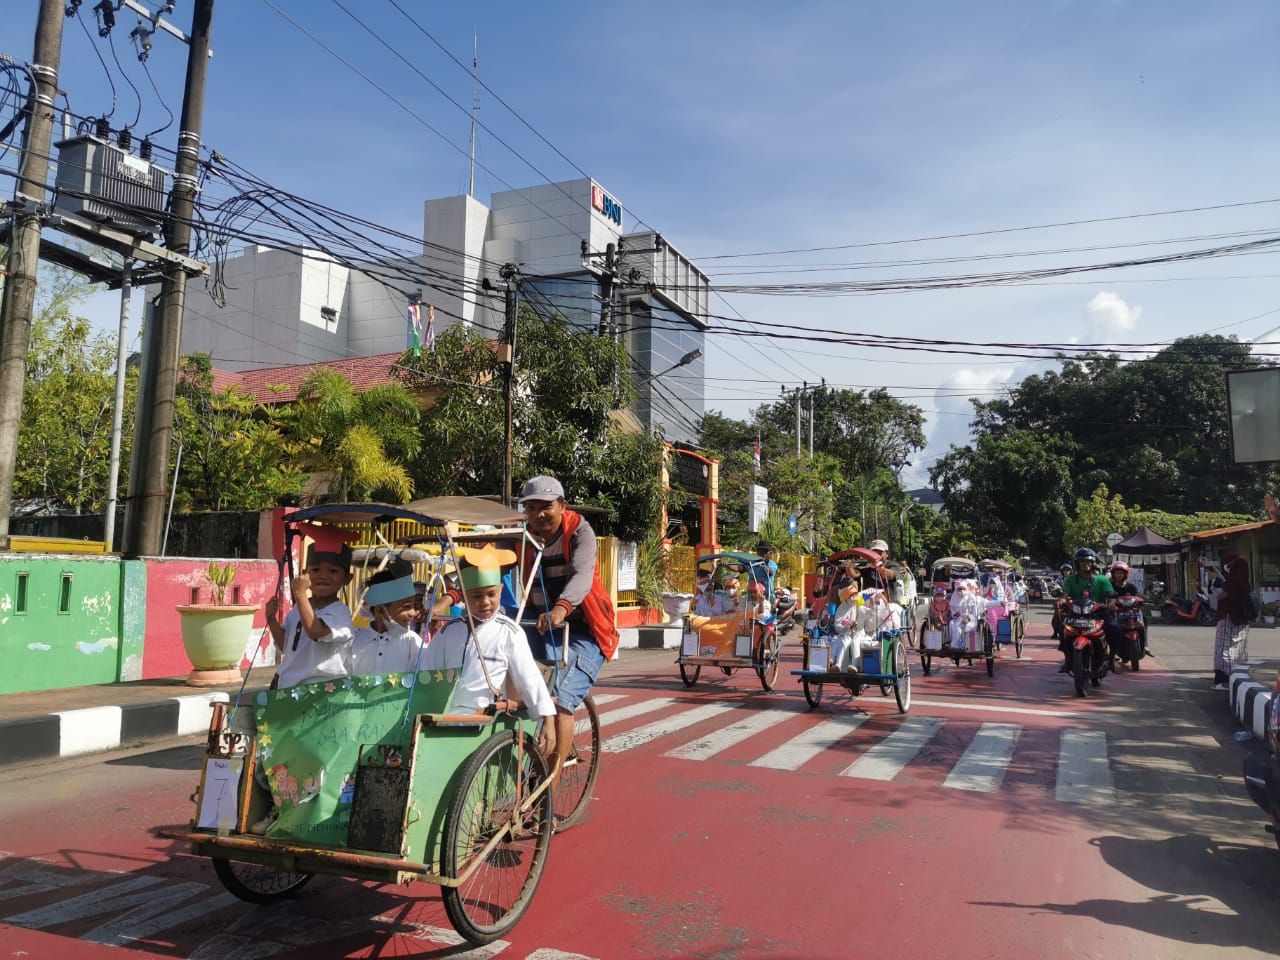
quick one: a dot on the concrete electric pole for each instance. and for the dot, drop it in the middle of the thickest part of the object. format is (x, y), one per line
(24, 250)
(157, 382)
(507, 353)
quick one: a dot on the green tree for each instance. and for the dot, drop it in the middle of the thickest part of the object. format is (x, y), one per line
(1103, 513)
(64, 438)
(1154, 431)
(362, 439)
(1006, 487)
(235, 455)
(568, 390)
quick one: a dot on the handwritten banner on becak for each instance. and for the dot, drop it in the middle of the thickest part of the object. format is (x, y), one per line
(309, 740)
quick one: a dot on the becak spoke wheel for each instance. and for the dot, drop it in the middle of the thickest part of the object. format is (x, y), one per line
(495, 784)
(257, 883)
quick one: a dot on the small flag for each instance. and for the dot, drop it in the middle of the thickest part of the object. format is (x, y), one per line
(415, 327)
(755, 456)
(431, 329)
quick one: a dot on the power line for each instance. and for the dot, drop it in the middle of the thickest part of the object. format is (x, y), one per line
(993, 232)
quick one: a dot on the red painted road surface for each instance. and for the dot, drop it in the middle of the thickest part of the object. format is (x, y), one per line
(1003, 818)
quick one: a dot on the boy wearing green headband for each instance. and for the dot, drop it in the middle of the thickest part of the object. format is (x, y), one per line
(496, 652)
(389, 644)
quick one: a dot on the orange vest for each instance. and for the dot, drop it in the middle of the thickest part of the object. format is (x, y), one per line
(596, 607)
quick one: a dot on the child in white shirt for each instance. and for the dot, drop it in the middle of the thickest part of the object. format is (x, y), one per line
(315, 639)
(389, 644)
(497, 639)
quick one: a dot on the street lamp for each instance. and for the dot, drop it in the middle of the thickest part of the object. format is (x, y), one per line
(684, 361)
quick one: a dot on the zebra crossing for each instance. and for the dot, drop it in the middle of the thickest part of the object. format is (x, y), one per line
(1082, 773)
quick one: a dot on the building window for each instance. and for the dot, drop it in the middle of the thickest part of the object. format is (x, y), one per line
(64, 594)
(20, 598)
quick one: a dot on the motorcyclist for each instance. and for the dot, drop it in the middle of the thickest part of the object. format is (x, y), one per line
(1124, 587)
(1085, 581)
(1065, 570)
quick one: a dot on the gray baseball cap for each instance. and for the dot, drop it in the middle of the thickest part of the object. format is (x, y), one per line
(542, 488)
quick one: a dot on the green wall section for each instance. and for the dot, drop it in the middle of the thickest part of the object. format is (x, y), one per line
(70, 620)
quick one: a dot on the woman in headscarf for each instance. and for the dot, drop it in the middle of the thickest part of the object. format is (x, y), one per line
(1231, 643)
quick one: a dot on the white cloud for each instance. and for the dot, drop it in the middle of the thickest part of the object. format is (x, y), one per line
(1109, 313)
(1109, 317)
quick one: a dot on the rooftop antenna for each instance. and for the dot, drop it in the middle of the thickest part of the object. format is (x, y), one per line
(475, 106)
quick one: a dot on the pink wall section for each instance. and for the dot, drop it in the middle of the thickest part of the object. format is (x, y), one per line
(170, 583)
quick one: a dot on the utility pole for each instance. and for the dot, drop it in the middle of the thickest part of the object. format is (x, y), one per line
(811, 393)
(117, 411)
(24, 248)
(507, 354)
(157, 383)
(799, 396)
(607, 279)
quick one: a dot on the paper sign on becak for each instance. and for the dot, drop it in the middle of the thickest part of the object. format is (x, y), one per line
(220, 793)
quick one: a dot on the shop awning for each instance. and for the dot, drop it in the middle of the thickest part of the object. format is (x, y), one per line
(1229, 531)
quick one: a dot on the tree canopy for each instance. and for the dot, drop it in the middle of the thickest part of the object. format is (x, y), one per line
(1063, 452)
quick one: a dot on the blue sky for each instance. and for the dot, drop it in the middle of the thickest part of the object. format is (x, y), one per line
(739, 127)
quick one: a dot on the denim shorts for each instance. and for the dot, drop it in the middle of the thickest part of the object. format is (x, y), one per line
(569, 685)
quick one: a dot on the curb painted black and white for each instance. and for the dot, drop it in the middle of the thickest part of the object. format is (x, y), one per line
(1249, 701)
(70, 733)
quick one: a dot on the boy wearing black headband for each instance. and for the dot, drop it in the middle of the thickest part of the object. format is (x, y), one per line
(317, 633)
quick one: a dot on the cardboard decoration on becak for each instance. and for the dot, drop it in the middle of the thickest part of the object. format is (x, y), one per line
(310, 737)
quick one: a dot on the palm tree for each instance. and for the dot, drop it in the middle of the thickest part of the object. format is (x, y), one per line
(360, 439)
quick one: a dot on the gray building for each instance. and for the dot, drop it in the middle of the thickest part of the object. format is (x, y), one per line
(295, 305)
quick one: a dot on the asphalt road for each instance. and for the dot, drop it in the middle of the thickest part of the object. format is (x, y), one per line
(1001, 818)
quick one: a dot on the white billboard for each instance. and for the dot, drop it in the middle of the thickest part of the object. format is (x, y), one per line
(1253, 399)
(757, 506)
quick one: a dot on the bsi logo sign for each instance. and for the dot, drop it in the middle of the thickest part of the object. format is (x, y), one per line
(604, 204)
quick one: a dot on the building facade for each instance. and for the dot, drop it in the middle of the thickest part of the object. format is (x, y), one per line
(297, 305)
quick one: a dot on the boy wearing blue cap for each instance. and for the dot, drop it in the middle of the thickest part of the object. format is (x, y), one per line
(503, 651)
(389, 644)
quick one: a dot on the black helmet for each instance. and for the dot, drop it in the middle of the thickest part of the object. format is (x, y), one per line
(764, 547)
(1086, 553)
(1065, 566)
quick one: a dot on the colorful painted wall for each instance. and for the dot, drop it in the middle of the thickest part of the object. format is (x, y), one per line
(171, 583)
(69, 620)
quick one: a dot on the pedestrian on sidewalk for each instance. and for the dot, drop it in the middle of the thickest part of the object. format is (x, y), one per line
(1231, 643)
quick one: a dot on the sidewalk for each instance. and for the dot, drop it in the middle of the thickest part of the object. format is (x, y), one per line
(51, 724)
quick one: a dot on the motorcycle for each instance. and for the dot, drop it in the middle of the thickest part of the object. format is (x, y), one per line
(1133, 630)
(784, 610)
(1084, 627)
(1262, 772)
(1178, 609)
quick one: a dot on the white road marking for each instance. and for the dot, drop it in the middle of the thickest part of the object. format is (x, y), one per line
(625, 713)
(132, 892)
(887, 758)
(194, 711)
(90, 730)
(983, 708)
(651, 731)
(602, 698)
(982, 767)
(546, 953)
(1084, 774)
(726, 737)
(799, 750)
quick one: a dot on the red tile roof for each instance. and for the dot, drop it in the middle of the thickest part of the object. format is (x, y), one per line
(280, 384)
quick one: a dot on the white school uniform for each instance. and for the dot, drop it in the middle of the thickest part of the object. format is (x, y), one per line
(374, 652)
(307, 660)
(505, 650)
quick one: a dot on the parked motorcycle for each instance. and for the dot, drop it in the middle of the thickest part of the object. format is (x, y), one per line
(784, 610)
(1133, 630)
(1262, 772)
(1083, 625)
(1179, 609)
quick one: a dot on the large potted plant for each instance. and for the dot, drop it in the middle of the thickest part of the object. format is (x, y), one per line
(215, 634)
